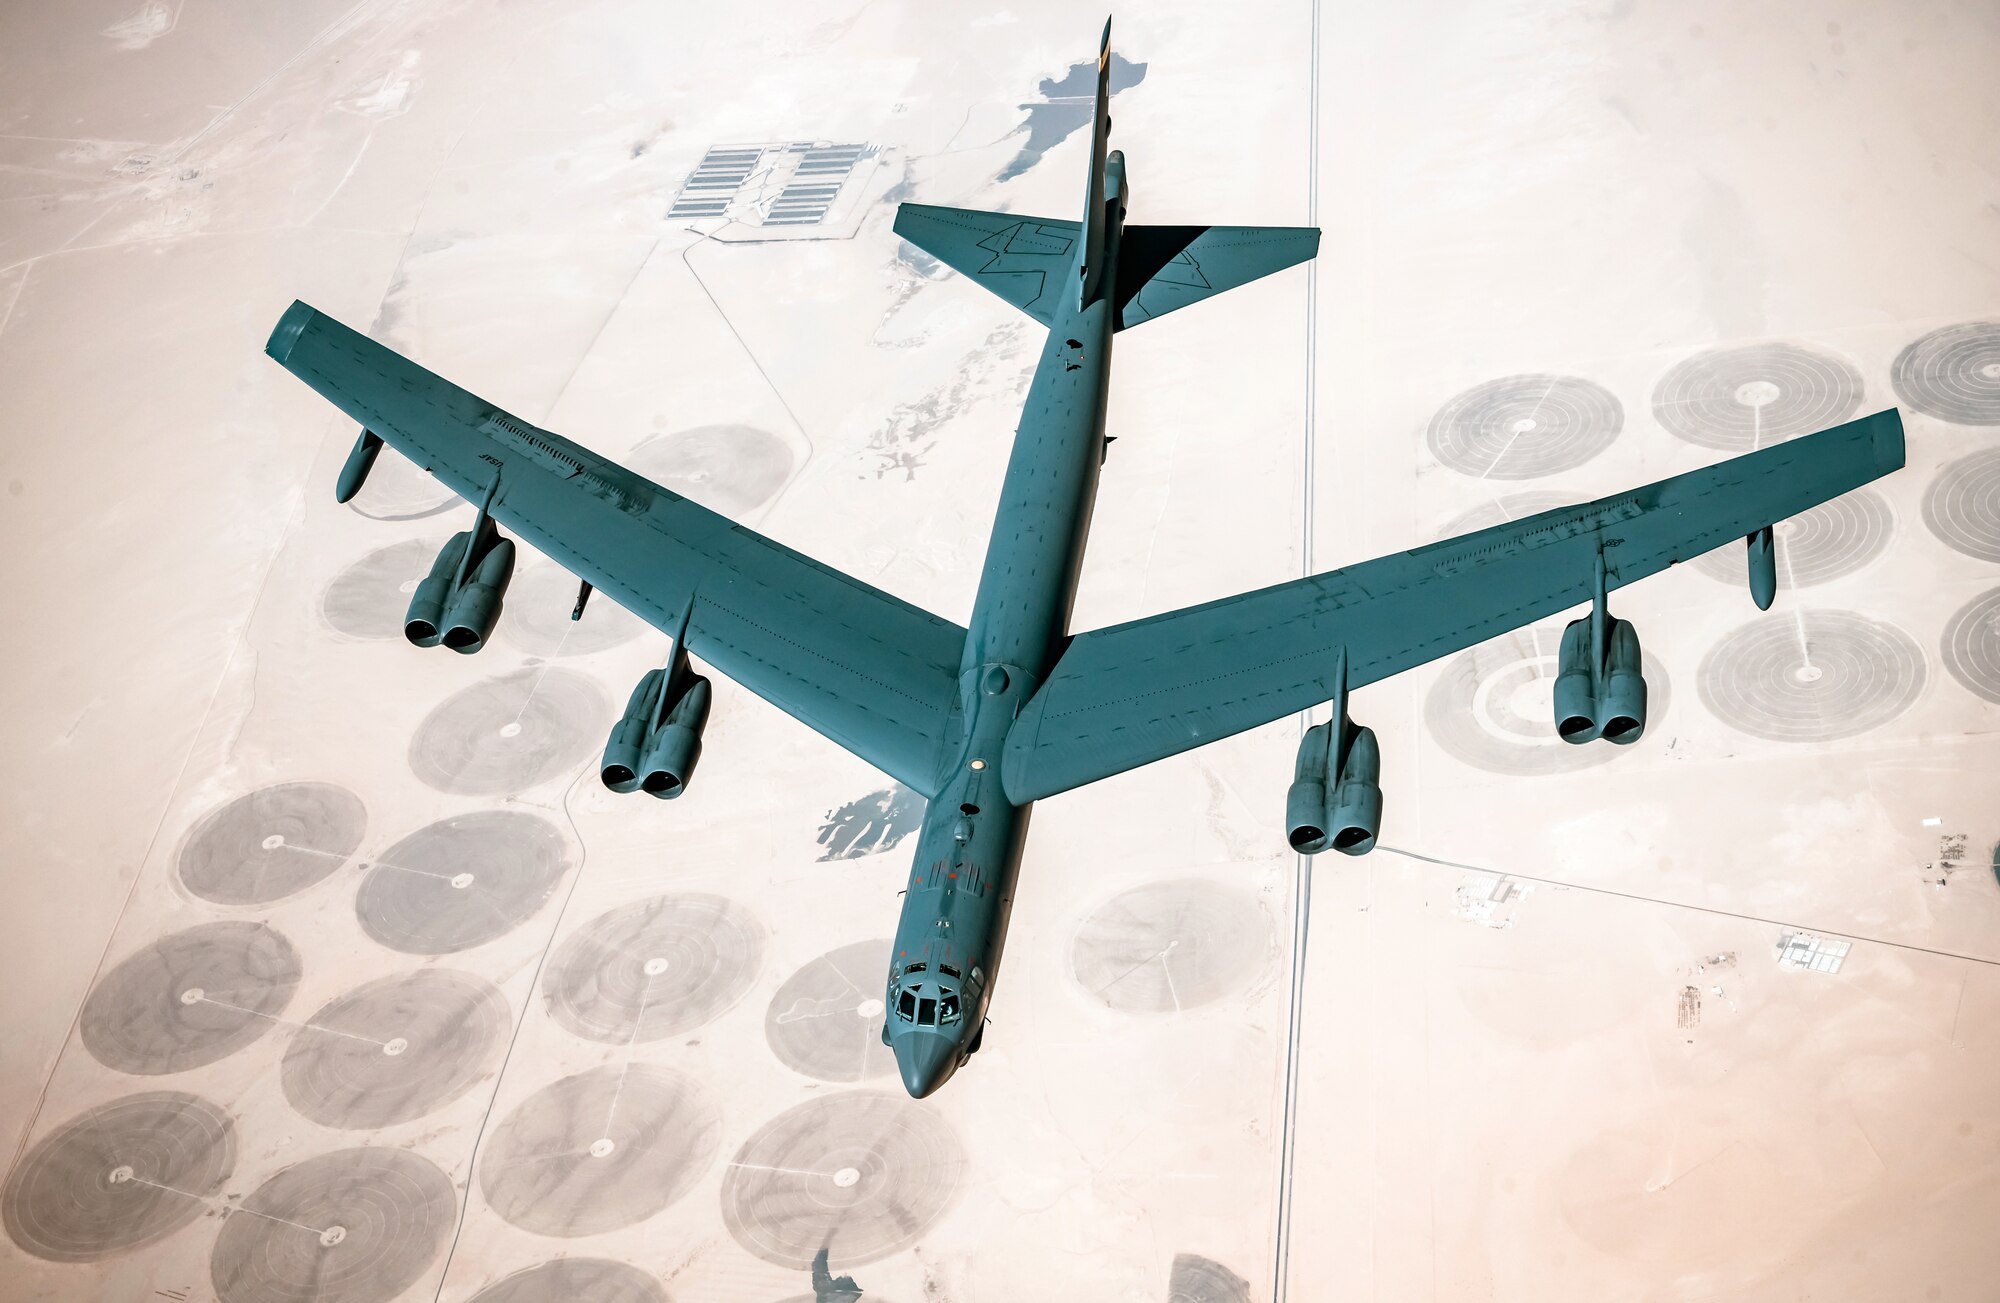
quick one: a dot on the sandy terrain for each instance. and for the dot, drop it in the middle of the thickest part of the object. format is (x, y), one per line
(337, 974)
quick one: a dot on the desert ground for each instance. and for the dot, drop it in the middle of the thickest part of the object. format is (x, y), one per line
(335, 973)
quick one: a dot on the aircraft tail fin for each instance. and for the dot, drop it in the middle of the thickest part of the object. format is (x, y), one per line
(1094, 216)
(1029, 261)
(1161, 268)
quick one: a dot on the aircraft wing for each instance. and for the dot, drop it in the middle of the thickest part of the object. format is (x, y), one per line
(1125, 696)
(874, 674)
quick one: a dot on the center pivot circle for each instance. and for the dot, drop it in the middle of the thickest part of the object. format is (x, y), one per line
(1757, 393)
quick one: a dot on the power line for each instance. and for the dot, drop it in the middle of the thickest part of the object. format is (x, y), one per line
(1698, 909)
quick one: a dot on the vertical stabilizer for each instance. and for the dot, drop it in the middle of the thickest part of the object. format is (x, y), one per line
(1092, 272)
(1028, 260)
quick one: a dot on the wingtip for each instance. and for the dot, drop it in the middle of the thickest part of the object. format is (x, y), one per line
(1890, 452)
(290, 326)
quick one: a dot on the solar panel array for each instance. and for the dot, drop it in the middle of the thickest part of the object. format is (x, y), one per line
(739, 181)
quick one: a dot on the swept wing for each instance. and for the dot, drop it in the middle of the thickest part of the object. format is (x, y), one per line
(874, 674)
(1128, 695)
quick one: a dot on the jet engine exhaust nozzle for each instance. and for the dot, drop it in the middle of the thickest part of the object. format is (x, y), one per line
(458, 604)
(1604, 699)
(1336, 795)
(656, 744)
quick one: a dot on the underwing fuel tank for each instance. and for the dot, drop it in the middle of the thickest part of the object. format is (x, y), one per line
(360, 460)
(1763, 567)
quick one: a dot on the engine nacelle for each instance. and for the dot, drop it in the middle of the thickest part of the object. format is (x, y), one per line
(1622, 707)
(1607, 701)
(1356, 815)
(422, 624)
(1336, 795)
(655, 746)
(475, 608)
(625, 750)
(461, 615)
(1576, 685)
(1305, 803)
(676, 748)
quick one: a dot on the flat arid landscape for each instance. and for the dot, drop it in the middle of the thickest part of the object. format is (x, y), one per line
(335, 973)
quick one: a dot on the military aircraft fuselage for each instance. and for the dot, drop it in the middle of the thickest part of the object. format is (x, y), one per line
(960, 893)
(986, 718)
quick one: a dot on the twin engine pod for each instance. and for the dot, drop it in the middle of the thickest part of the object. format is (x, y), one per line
(1336, 794)
(458, 603)
(1600, 686)
(654, 747)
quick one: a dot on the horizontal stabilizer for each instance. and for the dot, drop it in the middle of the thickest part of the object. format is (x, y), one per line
(1025, 260)
(1161, 268)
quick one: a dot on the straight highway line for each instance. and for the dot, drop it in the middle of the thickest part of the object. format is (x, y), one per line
(1302, 864)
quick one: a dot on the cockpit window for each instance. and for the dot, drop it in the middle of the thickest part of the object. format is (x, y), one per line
(948, 1008)
(906, 1008)
(927, 1012)
(914, 968)
(947, 970)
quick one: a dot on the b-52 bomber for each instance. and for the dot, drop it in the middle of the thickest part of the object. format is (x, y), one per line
(988, 719)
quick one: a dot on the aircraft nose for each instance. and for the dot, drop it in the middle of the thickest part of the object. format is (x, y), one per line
(926, 1059)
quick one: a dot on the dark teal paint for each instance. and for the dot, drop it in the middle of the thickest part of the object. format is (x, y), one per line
(983, 721)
